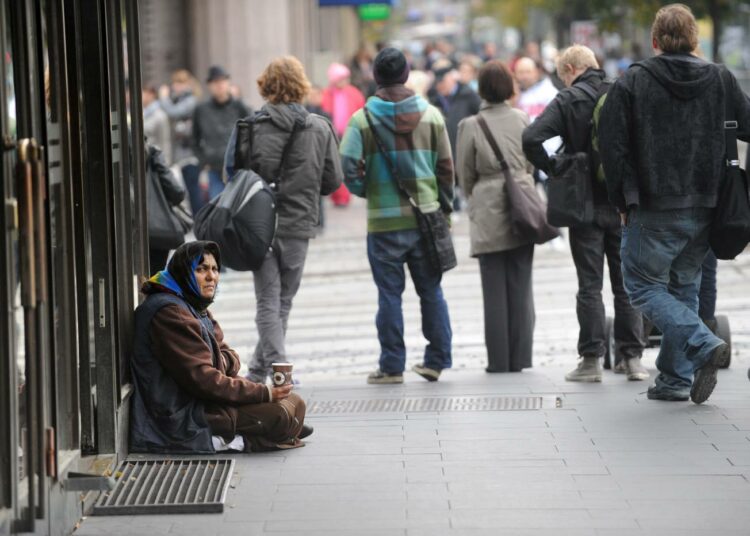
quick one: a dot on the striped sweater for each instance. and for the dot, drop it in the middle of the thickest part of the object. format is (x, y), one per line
(415, 136)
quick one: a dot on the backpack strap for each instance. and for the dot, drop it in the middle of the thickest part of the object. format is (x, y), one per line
(243, 149)
(285, 152)
(588, 90)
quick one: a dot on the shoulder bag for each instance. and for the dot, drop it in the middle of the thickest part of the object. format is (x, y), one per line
(730, 228)
(528, 215)
(433, 226)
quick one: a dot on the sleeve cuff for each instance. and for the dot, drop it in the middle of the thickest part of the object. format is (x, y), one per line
(270, 393)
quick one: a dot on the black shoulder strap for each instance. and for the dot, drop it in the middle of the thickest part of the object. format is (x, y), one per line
(243, 144)
(243, 149)
(730, 123)
(391, 164)
(588, 90)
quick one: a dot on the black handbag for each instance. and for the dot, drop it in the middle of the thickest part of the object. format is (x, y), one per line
(184, 218)
(570, 199)
(164, 229)
(528, 215)
(433, 226)
(730, 228)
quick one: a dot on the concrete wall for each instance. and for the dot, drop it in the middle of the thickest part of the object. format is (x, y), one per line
(243, 36)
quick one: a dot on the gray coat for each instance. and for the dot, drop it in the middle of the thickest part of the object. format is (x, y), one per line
(482, 180)
(313, 166)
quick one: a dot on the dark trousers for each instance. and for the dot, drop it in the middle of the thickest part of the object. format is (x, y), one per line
(509, 315)
(272, 424)
(589, 245)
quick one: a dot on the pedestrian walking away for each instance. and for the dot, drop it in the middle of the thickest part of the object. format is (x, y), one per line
(663, 178)
(414, 134)
(312, 168)
(213, 121)
(505, 259)
(340, 100)
(569, 116)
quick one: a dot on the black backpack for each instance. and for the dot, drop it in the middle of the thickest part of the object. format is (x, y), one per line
(243, 218)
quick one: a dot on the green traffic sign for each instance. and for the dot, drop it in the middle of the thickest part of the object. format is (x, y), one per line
(374, 12)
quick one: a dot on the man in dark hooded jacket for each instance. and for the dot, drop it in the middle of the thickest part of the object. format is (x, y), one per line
(569, 116)
(662, 143)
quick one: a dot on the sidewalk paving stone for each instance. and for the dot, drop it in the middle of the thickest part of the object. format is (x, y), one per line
(608, 462)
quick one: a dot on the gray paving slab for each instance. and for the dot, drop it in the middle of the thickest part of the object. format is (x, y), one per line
(609, 462)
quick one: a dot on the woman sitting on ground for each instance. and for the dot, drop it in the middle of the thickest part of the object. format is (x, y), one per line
(187, 396)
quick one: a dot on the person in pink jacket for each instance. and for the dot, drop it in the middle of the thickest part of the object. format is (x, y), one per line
(341, 99)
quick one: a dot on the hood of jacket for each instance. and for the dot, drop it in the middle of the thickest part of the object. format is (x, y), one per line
(397, 108)
(592, 77)
(283, 116)
(683, 75)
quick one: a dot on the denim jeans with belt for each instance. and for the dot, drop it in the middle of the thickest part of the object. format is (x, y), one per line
(662, 254)
(388, 252)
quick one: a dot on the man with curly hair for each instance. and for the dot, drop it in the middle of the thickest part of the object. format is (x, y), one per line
(311, 168)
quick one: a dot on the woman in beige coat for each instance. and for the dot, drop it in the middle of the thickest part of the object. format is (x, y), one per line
(504, 258)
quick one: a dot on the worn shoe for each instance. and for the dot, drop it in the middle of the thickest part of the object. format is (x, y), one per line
(305, 432)
(704, 380)
(588, 370)
(670, 395)
(379, 376)
(431, 375)
(635, 369)
(621, 367)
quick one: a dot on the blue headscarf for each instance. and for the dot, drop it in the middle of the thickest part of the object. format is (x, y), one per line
(179, 275)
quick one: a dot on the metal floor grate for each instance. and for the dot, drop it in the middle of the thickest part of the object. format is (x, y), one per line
(168, 486)
(432, 404)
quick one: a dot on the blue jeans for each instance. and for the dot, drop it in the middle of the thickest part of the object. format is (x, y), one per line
(662, 254)
(388, 252)
(200, 194)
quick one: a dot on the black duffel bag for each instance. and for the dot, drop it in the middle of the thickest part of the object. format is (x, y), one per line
(730, 228)
(242, 220)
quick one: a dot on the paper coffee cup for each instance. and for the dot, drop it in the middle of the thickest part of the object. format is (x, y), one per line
(282, 374)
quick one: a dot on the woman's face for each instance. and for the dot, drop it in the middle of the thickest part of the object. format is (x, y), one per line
(207, 276)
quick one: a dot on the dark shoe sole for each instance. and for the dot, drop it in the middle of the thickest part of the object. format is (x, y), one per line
(705, 377)
(385, 380)
(668, 397)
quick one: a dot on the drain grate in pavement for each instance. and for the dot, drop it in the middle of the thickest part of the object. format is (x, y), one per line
(168, 486)
(432, 404)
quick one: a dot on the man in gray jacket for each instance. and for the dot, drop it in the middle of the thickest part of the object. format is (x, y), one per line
(311, 168)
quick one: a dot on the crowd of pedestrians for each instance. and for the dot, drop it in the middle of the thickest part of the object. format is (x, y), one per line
(409, 140)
